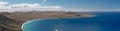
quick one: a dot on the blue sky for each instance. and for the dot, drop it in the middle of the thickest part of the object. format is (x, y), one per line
(78, 4)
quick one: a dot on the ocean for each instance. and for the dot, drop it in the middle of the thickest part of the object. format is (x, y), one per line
(103, 21)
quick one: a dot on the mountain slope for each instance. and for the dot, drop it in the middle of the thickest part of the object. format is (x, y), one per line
(4, 23)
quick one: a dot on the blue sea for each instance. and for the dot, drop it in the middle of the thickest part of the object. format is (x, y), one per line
(103, 21)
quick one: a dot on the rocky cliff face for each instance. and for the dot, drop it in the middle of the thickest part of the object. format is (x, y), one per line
(4, 23)
(5, 19)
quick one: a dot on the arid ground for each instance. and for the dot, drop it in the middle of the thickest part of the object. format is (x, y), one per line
(13, 21)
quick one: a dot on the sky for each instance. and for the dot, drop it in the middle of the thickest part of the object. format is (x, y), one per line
(60, 5)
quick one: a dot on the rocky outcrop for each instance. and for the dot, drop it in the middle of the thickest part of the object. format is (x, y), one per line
(4, 21)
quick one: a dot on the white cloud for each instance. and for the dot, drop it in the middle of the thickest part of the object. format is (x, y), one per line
(38, 7)
(31, 7)
(28, 7)
(44, 0)
(3, 3)
(24, 5)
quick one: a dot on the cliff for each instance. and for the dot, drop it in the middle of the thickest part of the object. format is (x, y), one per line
(4, 23)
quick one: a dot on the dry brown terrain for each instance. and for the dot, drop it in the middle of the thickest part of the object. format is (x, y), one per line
(22, 17)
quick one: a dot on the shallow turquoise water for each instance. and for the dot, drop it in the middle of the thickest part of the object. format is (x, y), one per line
(102, 22)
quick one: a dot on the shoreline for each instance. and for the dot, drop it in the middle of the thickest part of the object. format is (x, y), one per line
(25, 17)
(52, 18)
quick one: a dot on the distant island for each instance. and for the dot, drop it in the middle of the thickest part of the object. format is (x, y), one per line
(16, 19)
